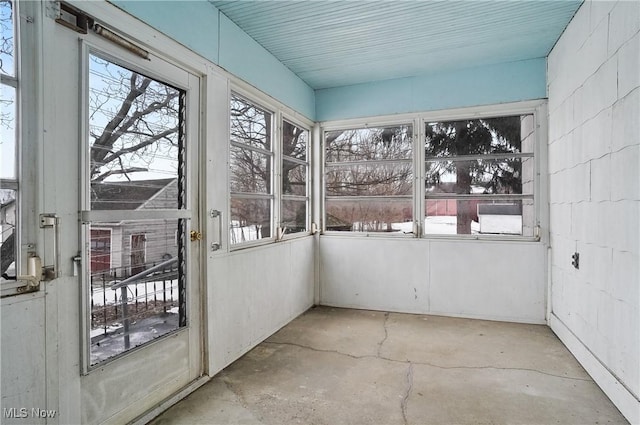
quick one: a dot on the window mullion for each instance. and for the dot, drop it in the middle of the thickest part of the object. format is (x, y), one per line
(419, 187)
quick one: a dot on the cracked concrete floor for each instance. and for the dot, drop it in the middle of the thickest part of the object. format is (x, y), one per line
(339, 366)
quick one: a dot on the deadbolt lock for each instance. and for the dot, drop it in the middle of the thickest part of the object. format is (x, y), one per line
(196, 236)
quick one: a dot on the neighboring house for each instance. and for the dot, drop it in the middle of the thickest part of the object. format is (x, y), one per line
(7, 226)
(126, 248)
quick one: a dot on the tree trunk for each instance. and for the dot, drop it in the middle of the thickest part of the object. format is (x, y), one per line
(464, 211)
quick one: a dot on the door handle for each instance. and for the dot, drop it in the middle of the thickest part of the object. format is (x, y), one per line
(52, 221)
(215, 246)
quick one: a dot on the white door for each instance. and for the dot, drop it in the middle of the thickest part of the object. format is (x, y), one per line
(121, 166)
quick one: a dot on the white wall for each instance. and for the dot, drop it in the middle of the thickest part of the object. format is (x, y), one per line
(477, 279)
(23, 361)
(594, 145)
(254, 292)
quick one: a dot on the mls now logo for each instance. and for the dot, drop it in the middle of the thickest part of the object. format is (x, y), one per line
(14, 412)
(23, 412)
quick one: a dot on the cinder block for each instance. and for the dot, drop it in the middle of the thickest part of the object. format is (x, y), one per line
(625, 346)
(578, 107)
(558, 153)
(579, 223)
(596, 264)
(580, 179)
(622, 220)
(601, 89)
(624, 23)
(561, 250)
(560, 219)
(625, 129)
(593, 52)
(629, 66)
(602, 224)
(601, 179)
(605, 320)
(625, 174)
(625, 276)
(599, 10)
(597, 135)
(558, 185)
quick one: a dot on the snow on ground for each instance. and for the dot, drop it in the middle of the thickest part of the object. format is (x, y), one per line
(145, 291)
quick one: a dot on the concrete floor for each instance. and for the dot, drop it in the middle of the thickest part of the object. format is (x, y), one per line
(337, 366)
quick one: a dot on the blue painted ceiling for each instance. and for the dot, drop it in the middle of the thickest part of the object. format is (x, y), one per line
(339, 43)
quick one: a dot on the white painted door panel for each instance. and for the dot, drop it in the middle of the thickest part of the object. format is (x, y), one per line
(128, 385)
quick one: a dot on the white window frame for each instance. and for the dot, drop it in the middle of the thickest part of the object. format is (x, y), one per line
(537, 108)
(280, 113)
(28, 239)
(378, 122)
(285, 117)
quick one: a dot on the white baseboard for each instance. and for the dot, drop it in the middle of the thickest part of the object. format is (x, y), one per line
(621, 397)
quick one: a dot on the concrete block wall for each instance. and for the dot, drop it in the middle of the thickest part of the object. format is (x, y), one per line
(594, 161)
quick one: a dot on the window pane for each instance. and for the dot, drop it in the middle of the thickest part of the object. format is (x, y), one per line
(7, 132)
(250, 124)
(294, 141)
(370, 216)
(479, 136)
(481, 176)
(478, 216)
(294, 178)
(369, 144)
(250, 171)
(134, 139)
(250, 220)
(8, 228)
(7, 62)
(135, 284)
(294, 216)
(370, 180)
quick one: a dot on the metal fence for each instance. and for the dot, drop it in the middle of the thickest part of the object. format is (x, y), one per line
(119, 299)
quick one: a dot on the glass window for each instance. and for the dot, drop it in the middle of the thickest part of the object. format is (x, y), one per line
(479, 176)
(369, 179)
(133, 139)
(136, 150)
(252, 175)
(294, 205)
(9, 144)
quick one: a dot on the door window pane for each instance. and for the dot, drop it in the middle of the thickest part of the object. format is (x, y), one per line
(136, 161)
(135, 280)
(134, 144)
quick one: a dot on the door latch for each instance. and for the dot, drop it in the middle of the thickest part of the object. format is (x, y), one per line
(195, 236)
